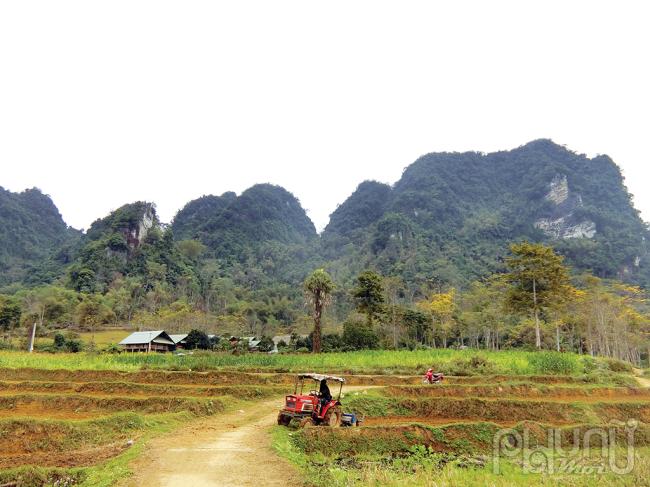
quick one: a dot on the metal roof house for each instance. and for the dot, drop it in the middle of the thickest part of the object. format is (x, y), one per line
(148, 341)
(179, 340)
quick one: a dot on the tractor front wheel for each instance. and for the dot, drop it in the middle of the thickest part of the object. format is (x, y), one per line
(283, 420)
(333, 417)
(306, 422)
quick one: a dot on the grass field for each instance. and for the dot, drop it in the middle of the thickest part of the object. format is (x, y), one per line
(105, 337)
(101, 338)
(453, 362)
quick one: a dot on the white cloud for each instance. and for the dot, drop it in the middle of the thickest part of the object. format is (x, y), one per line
(107, 103)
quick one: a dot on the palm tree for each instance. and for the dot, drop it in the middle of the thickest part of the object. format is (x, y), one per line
(318, 292)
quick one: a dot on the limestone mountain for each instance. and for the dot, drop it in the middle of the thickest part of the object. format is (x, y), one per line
(193, 216)
(451, 216)
(265, 229)
(31, 230)
(128, 242)
(228, 223)
(448, 220)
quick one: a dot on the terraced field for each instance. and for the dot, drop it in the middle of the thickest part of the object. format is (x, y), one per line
(92, 427)
(66, 426)
(445, 434)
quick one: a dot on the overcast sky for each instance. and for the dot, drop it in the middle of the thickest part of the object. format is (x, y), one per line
(104, 103)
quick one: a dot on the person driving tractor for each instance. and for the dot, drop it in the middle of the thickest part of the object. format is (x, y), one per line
(324, 393)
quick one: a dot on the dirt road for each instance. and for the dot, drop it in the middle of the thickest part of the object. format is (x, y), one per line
(232, 449)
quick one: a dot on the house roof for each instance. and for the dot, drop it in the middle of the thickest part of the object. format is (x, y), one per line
(139, 337)
(178, 338)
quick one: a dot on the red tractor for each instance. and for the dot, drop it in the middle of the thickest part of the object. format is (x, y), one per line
(316, 408)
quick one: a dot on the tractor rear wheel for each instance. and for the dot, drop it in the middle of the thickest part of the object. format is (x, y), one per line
(333, 417)
(306, 422)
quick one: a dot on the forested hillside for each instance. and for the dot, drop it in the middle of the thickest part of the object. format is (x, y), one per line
(450, 217)
(31, 230)
(264, 233)
(128, 243)
(433, 249)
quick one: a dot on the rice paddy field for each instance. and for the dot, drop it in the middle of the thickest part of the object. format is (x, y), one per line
(81, 419)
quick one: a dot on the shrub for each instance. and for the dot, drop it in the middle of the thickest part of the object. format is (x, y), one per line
(618, 365)
(589, 364)
(74, 346)
(266, 344)
(59, 340)
(197, 339)
(359, 335)
(332, 343)
(112, 348)
(549, 363)
(477, 365)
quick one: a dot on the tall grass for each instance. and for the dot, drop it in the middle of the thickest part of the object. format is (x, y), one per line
(462, 362)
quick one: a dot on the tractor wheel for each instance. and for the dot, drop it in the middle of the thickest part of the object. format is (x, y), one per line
(306, 423)
(283, 420)
(333, 417)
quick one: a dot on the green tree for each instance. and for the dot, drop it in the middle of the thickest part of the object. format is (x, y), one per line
(192, 249)
(368, 294)
(416, 324)
(266, 344)
(10, 313)
(41, 305)
(197, 339)
(441, 306)
(357, 335)
(538, 280)
(318, 289)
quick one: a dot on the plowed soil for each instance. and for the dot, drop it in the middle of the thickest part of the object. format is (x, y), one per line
(134, 390)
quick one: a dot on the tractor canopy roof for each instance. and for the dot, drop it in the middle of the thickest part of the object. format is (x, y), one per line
(320, 377)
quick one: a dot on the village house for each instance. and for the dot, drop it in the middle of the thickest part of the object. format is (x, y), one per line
(148, 341)
(179, 340)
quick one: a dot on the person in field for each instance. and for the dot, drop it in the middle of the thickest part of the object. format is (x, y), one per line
(324, 393)
(429, 376)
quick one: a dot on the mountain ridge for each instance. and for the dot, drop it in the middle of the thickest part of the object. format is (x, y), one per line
(449, 217)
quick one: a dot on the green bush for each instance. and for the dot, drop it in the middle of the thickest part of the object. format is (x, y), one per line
(476, 365)
(589, 364)
(358, 335)
(550, 363)
(618, 365)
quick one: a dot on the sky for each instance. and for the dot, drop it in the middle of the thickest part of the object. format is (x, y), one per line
(105, 103)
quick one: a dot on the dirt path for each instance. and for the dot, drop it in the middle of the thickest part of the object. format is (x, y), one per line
(232, 449)
(642, 380)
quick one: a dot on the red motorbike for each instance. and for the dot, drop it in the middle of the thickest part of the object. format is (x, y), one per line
(431, 378)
